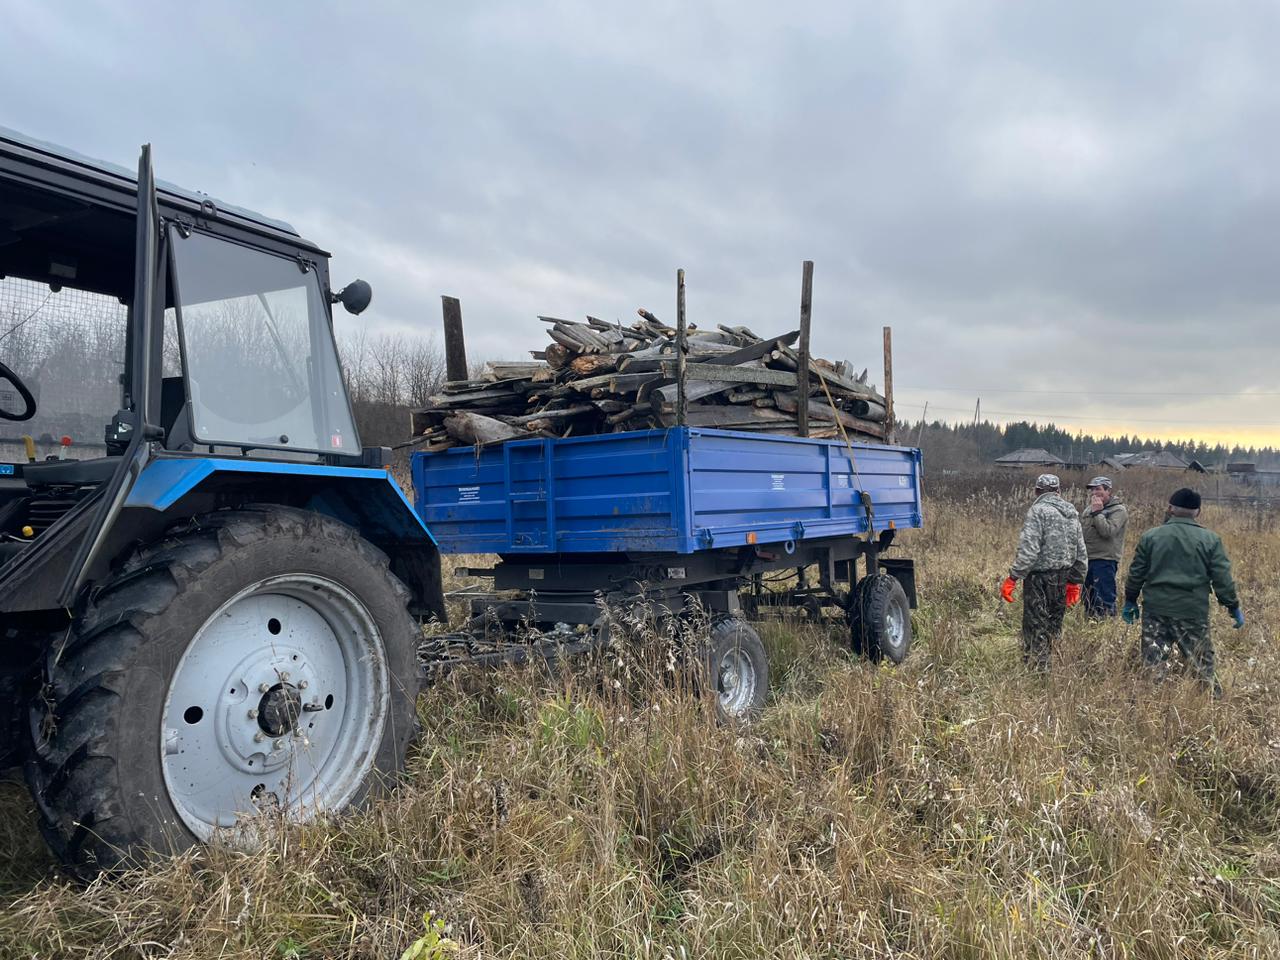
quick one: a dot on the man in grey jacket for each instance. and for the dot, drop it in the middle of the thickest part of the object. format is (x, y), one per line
(1104, 522)
(1052, 562)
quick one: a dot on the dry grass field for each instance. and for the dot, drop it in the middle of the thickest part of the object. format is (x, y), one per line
(952, 807)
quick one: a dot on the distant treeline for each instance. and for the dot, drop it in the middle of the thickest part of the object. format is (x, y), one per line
(969, 446)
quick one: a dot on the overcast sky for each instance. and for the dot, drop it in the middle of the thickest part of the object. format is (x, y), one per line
(1069, 209)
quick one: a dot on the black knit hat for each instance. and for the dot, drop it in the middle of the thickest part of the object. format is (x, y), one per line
(1186, 498)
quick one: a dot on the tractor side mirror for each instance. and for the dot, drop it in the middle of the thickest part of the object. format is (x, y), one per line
(355, 296)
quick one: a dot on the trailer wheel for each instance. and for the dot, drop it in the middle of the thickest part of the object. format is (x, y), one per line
(258, 661)
(737, 665)
(880, 618)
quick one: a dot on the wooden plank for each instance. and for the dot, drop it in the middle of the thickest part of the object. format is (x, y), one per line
(755, 351)
(565, 413)
(820, 411)
(498, 370)
(741, 374)
(834, 380)
(693, 391)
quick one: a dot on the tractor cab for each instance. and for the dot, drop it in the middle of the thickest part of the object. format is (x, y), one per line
(210, 595)
(221, 345)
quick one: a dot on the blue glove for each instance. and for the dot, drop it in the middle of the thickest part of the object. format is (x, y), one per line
(1238, 616)
(1130, 613)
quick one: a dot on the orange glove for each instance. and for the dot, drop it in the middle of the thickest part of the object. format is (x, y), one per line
(1006, 589)
(1073, 594)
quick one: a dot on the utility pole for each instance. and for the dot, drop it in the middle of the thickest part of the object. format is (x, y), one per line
(977, 409)
(923, 417)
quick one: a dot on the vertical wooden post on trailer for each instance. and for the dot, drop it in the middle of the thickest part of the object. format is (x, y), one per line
(890, 425)
(455, 345)
(802, 367)
(682, 351)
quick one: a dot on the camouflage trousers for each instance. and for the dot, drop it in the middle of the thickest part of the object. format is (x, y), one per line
(1044, 604)
(1161, 634)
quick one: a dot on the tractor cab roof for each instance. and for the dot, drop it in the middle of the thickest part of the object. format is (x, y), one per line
(69, 219)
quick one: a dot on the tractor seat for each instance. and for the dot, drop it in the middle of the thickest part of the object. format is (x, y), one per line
(52, 473)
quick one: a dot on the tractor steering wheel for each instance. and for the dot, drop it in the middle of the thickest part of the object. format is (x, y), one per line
(29, 408)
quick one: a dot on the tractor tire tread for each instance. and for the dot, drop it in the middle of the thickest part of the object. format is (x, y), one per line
(73, 780)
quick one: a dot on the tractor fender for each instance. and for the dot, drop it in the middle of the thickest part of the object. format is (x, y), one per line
(366, 498)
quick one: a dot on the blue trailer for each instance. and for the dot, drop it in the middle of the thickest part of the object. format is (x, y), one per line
(675, 517)
(678, 490)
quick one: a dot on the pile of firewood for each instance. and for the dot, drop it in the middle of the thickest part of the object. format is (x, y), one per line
(597, 377)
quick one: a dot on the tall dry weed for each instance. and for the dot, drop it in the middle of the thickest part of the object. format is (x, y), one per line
(953, 807)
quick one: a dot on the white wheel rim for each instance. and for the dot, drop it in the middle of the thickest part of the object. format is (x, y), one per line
(896, 626)
(735, 682)
(278, 705)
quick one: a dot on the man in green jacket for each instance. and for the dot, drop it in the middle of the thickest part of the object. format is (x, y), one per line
(1173, 569)
(1103, 522)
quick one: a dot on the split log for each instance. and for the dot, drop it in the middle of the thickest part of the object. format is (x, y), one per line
(558, 356)
(474, 428)
(820, 411)
(591, 364)
(869, 410)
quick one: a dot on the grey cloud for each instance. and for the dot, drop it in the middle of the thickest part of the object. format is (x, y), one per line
(994, 180)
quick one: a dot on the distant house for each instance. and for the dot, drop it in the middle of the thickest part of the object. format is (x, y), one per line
(1157, 459)
(1248, 474)
(1029, 457)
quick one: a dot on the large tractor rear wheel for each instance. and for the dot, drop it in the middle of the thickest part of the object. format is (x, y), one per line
(257, 663)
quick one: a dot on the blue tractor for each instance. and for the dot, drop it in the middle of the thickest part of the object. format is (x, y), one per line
(219, 612)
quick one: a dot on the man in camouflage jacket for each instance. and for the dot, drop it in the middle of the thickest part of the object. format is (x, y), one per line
(1051, 561)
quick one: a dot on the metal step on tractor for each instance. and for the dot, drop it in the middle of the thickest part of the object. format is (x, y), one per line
(216, 615)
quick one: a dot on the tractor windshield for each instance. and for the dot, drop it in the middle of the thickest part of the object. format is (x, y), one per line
(260, 361)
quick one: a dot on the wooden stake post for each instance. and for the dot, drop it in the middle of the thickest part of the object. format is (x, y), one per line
(455, 345)
(682, 352)
(889, 423)
(802, 364)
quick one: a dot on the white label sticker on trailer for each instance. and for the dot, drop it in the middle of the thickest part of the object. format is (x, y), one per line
(466, 494)
(902, 481)
(778, 481)
(842, 480)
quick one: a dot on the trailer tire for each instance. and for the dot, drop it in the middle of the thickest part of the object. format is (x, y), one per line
(880, 619)
(116, 765)
(737, 669)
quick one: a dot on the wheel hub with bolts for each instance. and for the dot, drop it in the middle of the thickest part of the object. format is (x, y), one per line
(279, 709)
(280, 698)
